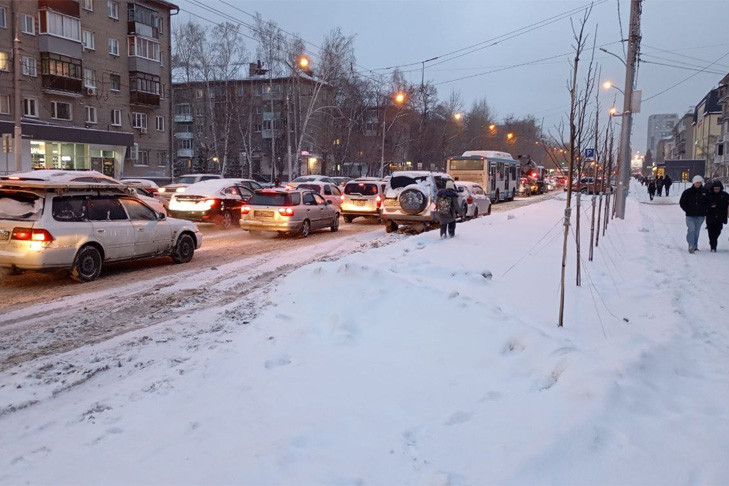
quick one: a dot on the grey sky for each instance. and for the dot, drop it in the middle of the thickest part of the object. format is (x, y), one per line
(407, 32)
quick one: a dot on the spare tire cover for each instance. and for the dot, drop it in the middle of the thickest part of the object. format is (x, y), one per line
(413, 200)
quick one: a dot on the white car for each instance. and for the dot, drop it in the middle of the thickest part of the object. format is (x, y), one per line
(312, 178)
(82, 225)
(330, 192)
(92, 177)
(475, 200)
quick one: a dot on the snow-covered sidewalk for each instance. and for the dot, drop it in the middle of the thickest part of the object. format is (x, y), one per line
(427, 361)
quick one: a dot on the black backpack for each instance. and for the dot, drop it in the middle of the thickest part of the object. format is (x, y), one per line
(443, 203)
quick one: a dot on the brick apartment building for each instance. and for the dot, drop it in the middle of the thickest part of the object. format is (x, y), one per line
(93, 82)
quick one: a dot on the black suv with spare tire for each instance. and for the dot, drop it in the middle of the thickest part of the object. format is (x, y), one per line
(410, 199)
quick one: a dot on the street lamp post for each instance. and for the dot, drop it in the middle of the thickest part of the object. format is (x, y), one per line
(399, 99)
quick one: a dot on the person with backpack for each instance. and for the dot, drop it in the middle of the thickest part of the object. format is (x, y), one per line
(667, 181)
(446, 203)
(651, 188)
(659, 186)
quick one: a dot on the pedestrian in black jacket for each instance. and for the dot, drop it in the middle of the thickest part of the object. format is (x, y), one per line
(716, 214)
(694, 203)
(651, 188)
(659, 185)
(448, 209)
(667, 181)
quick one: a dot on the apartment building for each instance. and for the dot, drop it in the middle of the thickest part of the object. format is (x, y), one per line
(94, 84)
(707, 129)
(721, 157)
(239, 127)
(659, 127)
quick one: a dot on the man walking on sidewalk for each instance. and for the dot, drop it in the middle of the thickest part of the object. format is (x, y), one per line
(694, 203)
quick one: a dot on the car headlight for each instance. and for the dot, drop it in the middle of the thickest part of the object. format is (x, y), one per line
(180, 189)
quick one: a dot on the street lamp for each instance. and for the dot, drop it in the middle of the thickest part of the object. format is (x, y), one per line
(609, 84)
(458, 116)
(399, 99)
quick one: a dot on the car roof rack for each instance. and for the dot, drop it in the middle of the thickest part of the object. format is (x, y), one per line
(60, 186)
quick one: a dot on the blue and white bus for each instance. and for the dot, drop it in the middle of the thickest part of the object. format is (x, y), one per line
(496, 172)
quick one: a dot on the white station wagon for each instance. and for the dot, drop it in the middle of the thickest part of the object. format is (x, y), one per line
(80, 226)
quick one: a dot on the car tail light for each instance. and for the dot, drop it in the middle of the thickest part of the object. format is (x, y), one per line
(469, 200)
(287, 211)
(341, 198)
(378, 199)
(28, 234)
(245, 209)
(13, 178)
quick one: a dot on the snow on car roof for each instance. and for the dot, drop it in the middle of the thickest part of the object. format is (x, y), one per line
(206, 188)
(58, 175)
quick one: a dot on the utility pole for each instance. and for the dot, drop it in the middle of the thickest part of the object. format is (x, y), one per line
(16, 85)
(624, 151)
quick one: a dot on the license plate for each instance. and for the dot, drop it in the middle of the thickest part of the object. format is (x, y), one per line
(4, 235)
(263, 214)
(359, 202)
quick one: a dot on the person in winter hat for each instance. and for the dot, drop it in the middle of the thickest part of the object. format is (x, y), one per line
(694, 203)
(716, 213)
(448, 209)
(667, 181)
(651, 188)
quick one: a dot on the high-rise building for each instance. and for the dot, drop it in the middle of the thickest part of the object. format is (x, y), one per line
(660, 127)
(93, 81)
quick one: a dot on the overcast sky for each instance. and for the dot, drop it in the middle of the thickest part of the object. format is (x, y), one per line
(533, 54)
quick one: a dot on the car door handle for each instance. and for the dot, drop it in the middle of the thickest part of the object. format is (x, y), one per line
(140, 229)
(99, 230)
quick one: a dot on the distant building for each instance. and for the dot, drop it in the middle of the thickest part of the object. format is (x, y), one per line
(721, 157)
(660, 127)
(707, 129)
(683, 136)
(93, 83)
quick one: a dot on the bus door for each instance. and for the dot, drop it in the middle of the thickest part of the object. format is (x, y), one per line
(492, 178)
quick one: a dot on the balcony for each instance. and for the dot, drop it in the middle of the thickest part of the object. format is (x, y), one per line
(184, 135)
(66, 7)
(185, 152)
(61, 83)
(142, 98)
(183, 118)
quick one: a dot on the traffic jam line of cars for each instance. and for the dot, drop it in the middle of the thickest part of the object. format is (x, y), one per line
(82, 220)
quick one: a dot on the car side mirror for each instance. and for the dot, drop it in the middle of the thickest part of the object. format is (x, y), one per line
(329, 203)
(161, 215)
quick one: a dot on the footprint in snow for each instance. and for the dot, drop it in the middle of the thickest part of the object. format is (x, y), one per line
(277, 362)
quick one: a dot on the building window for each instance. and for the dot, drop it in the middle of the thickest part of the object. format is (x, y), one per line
(145, 48)
(88, 39)
(90, 114)
(60, 25)
(116, 117)
(185, 144)
(182, 109)
(139, 120)
(161, 158)
(30, 107)
(142, 157)
(89, 78)
(5, 104)
(29, 66)
(113, 9)
(143, 82)
(159, 122)
(88, 5)
(114, 47)
(199, 93)
(258, 128)
(4, 61)
(115, 82)
(3, 16)
(27, 24)
(60, 110)
(57, 65)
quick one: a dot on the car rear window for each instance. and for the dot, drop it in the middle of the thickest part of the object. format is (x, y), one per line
(362, 188)
(404, 181)
(313, 187)
(20, 206)
(275, 199)
(187, 180)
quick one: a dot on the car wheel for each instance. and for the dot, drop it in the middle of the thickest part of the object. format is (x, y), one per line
(87, 264)
(184, 249)
(305, 229)
(583, 191)
(413, 201)
(464, 216)
(226, 220)
(348, 219)
(488, 211)
(390, 227)
(335, 224)
(475, 213)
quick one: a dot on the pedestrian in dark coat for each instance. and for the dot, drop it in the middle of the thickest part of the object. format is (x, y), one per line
(716, 214)
(659, 185)
(667, 181)
(448, 209)
(694, 203)
(651, 188)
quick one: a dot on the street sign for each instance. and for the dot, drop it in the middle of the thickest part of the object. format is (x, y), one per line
(7, 143)
(589, 153)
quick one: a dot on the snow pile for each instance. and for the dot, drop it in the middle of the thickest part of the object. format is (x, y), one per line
(427, 361)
